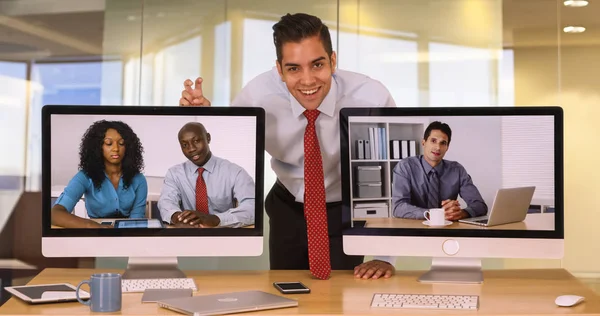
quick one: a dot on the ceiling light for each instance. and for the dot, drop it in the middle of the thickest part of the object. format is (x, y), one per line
(575, 3)
(574, 29)
(131, 18)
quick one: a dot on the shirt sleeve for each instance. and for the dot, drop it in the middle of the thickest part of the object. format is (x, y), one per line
(389, 259)
(244, 98)
(73, 191)
(401, 194)
(244, 193)
(389, 100)
(168, 202)
(141, 195)
(470, 194)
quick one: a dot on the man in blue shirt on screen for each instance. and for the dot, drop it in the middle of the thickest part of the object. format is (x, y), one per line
(429, 181)
(302, 96)
(204, 190)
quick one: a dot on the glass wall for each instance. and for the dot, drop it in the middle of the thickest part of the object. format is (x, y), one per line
(426, 52)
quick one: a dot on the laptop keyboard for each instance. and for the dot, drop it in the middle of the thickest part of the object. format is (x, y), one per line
(483, 221)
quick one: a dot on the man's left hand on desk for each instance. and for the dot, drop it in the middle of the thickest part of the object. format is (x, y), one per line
(197, 219)
(452, 210)
(374, 269)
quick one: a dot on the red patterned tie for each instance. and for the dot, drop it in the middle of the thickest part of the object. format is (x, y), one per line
(201, 195)
(315, 210)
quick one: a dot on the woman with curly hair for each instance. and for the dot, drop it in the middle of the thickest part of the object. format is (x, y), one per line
(110, 178)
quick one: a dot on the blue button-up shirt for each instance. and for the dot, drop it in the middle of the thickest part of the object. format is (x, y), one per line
(106, 202)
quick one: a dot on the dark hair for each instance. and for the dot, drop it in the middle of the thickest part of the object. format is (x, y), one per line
(437, 125)
(296, 27)
(91, 159)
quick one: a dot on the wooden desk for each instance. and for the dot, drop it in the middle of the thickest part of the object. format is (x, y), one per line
(504, 292)
(537, 221)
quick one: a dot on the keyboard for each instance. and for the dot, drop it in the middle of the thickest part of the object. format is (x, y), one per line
(140, 285)
(426, 301)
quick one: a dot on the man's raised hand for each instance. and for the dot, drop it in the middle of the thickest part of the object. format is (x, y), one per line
(193, 96)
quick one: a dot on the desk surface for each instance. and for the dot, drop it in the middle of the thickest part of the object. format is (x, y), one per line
(537, 221)
(504, 292)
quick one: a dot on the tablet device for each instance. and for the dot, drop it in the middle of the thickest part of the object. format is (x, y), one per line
(46, 293)
(138, 223)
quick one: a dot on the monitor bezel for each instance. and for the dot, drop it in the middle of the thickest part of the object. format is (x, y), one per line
(554, 111)
(49, 110)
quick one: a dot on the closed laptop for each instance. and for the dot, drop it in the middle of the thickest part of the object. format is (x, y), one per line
(226, 303)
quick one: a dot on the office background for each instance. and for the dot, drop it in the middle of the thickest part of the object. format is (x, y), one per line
(427, 52)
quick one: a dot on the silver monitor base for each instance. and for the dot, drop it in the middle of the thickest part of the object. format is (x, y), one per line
(454, 270)
(153, 268)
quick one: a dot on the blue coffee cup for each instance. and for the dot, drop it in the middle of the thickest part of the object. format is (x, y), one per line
(105, 292)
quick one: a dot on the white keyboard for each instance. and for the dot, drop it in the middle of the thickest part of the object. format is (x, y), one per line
(140, 285)
(426, 301)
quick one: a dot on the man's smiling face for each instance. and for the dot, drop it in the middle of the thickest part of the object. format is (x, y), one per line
(307, 71)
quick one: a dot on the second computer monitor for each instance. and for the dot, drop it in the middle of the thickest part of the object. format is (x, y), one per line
(447, 183)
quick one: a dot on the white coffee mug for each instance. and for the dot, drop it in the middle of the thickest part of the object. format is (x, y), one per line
(435, 216)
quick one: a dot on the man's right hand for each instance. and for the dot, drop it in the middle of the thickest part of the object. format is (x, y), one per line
(193, 96)
(186, 218)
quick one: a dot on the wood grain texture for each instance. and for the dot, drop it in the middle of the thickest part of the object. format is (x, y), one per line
(504, 292)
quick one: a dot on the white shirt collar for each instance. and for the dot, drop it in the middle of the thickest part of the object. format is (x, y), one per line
(208, 166)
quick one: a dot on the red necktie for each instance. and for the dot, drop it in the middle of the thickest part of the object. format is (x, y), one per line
(315, 210)
(201, 195)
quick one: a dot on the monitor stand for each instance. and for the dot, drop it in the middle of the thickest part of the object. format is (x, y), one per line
(153, 268)
(454, 270)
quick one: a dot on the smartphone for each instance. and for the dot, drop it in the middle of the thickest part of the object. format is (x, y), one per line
(291, 287)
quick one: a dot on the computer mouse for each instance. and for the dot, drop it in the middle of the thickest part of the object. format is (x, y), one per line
(568, 300)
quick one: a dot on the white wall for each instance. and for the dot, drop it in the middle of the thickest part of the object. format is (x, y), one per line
(232, 138)
(476, 144)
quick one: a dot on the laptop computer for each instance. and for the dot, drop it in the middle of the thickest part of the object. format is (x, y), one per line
(510, 206)
(226, 303)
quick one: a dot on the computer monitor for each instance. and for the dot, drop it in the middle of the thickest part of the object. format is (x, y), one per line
(111, 174)
(503, 163)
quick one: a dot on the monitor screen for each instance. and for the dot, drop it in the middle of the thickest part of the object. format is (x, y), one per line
(453, 172)
(130, 171)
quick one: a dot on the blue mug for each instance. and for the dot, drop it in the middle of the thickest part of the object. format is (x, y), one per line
(105, 292)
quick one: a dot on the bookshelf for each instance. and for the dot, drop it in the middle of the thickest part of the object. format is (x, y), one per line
(368, 199)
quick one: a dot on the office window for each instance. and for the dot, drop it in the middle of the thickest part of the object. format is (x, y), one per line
(66, 83)
(12, 122)
(390, 60)
(526, 160)
(461, 75)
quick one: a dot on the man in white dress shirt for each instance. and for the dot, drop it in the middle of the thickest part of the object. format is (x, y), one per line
(201, 191)
(305, 78)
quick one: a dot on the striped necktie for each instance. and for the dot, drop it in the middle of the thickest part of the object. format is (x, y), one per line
(433, 196)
